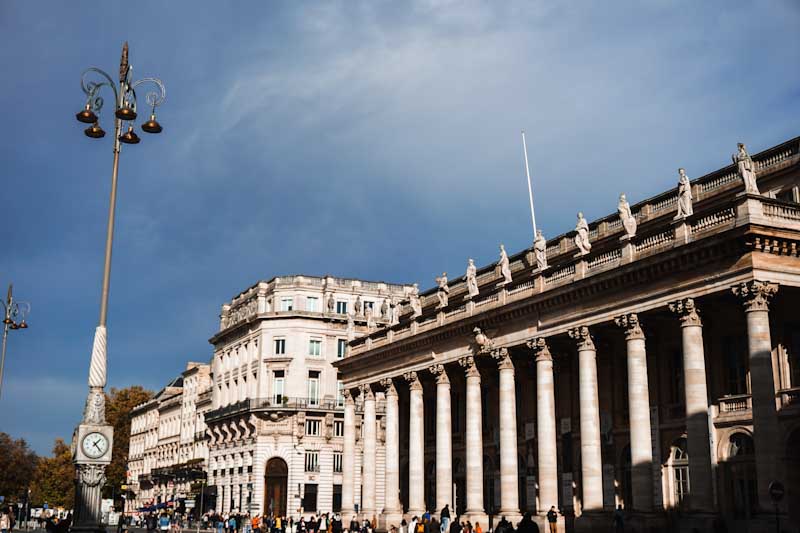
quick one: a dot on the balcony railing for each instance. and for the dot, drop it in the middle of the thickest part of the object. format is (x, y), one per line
(735, 404)
(274, 404)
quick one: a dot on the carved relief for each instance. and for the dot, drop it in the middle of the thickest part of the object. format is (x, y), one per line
(240, 313)
(483, 344)
(687, 312)
(92, 475)
(95, 410)
(755, 295)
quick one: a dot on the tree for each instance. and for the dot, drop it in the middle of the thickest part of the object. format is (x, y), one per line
(17, 463)
(119, 404)
(54, 478)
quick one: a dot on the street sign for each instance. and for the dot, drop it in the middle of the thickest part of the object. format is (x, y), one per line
(189, 504)
(776, 491)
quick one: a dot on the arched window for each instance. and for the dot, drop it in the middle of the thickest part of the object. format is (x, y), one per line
(740, 471)
(679, 463)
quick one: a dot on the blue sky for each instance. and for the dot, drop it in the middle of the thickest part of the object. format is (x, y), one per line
(369, 139)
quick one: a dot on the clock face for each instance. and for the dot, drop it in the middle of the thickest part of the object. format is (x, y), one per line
(95, 445)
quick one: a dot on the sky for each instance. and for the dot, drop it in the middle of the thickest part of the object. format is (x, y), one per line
(377, 140)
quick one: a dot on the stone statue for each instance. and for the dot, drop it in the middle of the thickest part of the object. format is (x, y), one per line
(684, 195)
(370, 318)
(505, 266)
(413, 300)
(582, 235)
(747, 169)
(540, 250)
(443, 291)
(472, 280)
(385, 309)
(357, 307)
(351, 328)
(628, 220)
(331, 303)
(396, 309)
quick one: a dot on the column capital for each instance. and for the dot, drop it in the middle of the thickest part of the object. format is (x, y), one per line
(470, 368)
(583, 337)
(630, 325)
(540, 349)
(348, 396)
(439, 372)
(388, 387)
(502, 358)
(366, 391)
(413, 380)
(687, 312)
(755, 295)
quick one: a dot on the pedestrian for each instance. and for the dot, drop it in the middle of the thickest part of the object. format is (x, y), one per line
(552, 519)
(619, 520)
(455, 526)
(5, 521)
(403, 526)
(353, 528)
(478, 527)
(445, 517)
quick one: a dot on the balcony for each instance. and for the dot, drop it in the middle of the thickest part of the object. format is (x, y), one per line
(789, 398)
(273, 404)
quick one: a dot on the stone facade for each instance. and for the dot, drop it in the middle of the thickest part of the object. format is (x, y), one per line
(279, 412)
(168, 451)
(658, 371)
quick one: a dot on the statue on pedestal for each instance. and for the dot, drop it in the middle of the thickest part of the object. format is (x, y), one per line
(747, 169)
(472, 280)
(443, 291)
(331, 303)
(685, 208)
(628, 220)
(396, 309)
(351, 328)
(357, 307)
(413, 300)
(505, 266)
(385, 309)
(540, 250)
(582, 235)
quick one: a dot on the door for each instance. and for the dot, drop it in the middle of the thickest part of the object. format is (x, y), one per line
(275, 487)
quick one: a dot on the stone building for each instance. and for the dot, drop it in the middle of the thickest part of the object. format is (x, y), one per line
(275, 429)
(650, 362)
(168, 448)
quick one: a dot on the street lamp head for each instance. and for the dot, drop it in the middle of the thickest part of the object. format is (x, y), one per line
(126, 112)
(7, 321)
(129, 137)
(152, 125)
(95, 131)
(86, 116)
(23, 324)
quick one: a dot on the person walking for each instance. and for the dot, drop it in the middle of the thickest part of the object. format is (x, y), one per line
(5, 521)
(619, 520)
(445, 518)
(552, 519)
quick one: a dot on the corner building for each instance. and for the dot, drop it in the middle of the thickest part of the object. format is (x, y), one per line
(659, 372)
(275, 432)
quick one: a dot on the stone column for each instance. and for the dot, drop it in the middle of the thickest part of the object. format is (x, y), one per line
(755, 295)
(694, 376)
(370, 456)
(348, 456)
(474, 436)
(591, 457)
(416, 446)
(509, 474)
(545, 426)
(639, 414)
(393, 509)
(444, 441)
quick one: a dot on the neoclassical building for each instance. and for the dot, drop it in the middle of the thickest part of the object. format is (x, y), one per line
(276, 426)
(649, 360)
(168, 450)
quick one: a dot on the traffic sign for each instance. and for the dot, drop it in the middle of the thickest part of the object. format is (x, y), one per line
(776, 491)
(189, 504)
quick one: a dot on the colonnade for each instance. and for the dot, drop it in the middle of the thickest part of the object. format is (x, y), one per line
(754, 295)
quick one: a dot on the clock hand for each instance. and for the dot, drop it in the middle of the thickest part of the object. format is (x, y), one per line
(96, 446)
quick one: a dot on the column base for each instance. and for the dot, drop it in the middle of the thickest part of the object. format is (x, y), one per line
(513, 517)
(411, 513)
(476, 517)
(390, 518)
(544, 526)
(590, 521)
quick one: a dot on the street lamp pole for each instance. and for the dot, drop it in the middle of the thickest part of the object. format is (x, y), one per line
(93, 438)
(12, 310)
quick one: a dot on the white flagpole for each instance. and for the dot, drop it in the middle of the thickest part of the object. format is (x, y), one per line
(530, 190)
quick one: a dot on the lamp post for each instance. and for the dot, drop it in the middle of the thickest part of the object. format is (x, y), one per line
(93, 438)
(13, 310)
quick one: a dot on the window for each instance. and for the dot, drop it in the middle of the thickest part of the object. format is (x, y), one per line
(312, 303)
(310, 497)
(287, 303)
(789, 195)
(341, 307)
(280, 346)
(736, 365)
(680, 468)
(277, 386)
(312, 462)
(338, 428)
(312, 427)
(337, 462)
(313, 387)
(339, 393)
(341, 348)
(315, 347)
(368, 305)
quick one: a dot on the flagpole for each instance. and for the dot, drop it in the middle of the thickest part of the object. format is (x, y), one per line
(530, 190)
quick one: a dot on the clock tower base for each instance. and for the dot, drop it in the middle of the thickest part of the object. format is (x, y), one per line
(90, 475)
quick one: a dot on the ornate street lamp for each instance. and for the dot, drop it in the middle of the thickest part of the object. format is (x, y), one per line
(93, 438)
(13, 311)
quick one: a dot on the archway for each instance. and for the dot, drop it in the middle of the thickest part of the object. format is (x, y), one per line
(276, 487)
(740, 477)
